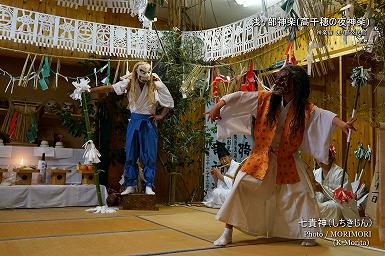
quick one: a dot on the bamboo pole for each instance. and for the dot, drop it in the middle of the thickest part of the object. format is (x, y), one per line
(89, 137)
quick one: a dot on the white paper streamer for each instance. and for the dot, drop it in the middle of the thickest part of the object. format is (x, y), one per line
(80, 87)
(91, 154)
(309, 57)
(96, 77)
(102, 209)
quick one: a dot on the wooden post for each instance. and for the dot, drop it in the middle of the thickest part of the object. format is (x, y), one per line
(371, 129)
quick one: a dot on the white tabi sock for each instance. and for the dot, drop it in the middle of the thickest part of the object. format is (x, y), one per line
(225, 238)
(129, 190)
(149, 191)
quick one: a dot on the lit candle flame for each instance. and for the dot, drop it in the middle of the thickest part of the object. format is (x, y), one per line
(22, 161)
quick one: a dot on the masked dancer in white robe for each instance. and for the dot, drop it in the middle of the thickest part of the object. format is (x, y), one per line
(223, 181)
(330, 176)
(272, 195)
(144, 91)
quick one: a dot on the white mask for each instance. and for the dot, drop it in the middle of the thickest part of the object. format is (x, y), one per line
(144, 72)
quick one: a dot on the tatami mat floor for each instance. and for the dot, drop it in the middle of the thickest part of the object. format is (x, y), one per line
(177, 230)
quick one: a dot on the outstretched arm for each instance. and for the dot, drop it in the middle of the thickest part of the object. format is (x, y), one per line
(344, 126)
(237, 103)
(102, 89)
(119, 87)
(215, 112)
(234, 113)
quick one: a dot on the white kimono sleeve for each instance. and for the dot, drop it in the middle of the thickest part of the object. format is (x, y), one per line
(231, 172)
(120, 87)
(163, 95)
(236, 114)
(336, 178)
(228, 181)
(316, 137)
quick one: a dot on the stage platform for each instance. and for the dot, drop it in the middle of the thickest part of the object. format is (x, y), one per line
(46, 196)
(176, 230)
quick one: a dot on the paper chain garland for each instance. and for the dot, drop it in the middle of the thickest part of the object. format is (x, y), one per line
(242, 36)
(47, 30)
(134, 7)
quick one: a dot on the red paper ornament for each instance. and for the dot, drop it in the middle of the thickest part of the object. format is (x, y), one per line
(249, 84)
(216, 80)
(342, 195)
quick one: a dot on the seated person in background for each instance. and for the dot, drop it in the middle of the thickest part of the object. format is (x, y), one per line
(223, 182)
(329, 175)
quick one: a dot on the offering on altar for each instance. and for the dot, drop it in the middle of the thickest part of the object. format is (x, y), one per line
(84, 168)
(58, 176)
(1, 174)
(24, 174)
(87, 173)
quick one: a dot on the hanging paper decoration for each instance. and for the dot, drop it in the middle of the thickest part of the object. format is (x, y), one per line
(134, 7)
(360, 76)
(249, 84)
(57, 73)
(309, 57)
(29, 74)
(289, 53)
(105, 39)
(91, 154)
(22, 72)
(293, 59)
(80, 87)
(215, 86)
(367, 157)
(287, 6)
(106, 80)
(217, 80)
(359, 153)
(45, 71)
(41, 77)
